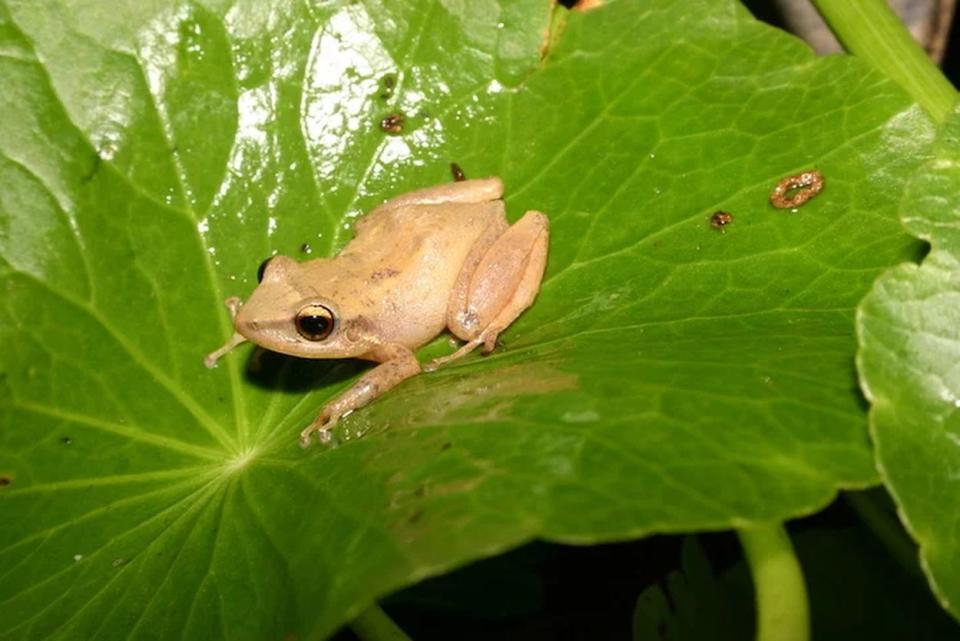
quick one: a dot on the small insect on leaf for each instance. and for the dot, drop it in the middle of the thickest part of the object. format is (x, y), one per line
(393, 124)
(793, 191)
(721, 219)
(457, 173)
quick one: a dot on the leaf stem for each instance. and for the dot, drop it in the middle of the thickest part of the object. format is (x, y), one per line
(374, 624)
(870, 30)
(782, 611)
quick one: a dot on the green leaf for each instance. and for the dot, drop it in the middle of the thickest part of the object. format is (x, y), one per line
(909, 350)
(669, 377)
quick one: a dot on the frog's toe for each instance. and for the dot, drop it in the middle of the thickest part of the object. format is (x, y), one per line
(490, 342)
(321, 426)
(465, 349)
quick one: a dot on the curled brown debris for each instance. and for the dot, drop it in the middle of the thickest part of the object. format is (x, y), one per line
(803, 186)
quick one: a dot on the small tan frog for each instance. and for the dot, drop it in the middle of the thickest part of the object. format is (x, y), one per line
(442, 257)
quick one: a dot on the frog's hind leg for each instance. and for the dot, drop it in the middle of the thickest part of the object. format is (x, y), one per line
(500, 287)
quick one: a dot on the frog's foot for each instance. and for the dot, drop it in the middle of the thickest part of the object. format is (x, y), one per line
(488, 338)
(322, 426)
(211, 359)
(233, 305)
(465, 349)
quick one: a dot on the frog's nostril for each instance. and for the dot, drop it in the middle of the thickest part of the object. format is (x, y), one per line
(244, 325)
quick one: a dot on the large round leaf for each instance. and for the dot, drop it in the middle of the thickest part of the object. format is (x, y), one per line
(670, 377)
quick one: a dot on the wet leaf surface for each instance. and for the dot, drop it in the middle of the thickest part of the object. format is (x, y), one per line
(671, 376)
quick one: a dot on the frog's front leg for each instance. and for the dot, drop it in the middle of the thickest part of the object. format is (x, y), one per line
(233, 305)
(500, 287)
(397, 363)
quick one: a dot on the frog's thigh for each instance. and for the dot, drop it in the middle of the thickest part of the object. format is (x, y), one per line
(505, 281)
(457, 305)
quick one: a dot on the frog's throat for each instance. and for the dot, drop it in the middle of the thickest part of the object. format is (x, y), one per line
(211, 359)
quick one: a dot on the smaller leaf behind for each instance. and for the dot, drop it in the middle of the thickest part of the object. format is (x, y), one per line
(909, 362)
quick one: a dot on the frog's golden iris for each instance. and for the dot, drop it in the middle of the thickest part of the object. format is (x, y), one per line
(314, 322)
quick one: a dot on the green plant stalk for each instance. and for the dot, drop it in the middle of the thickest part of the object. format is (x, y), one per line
(870, 30)
(373, 624)
(782, 610)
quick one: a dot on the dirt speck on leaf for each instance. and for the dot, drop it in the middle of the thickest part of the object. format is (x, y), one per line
(387, 85)
(721, 219)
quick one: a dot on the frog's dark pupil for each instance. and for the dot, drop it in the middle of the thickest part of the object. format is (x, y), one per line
(315, 327)
(262, 268)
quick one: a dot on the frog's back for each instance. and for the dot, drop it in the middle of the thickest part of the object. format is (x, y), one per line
(404, 262)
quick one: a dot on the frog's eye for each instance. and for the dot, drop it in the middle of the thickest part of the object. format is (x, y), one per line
(263, 267)
(314, 322)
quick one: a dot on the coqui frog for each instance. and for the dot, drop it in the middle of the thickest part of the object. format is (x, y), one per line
(434, 259)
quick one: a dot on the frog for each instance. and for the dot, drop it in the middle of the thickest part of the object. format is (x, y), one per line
(442, 258)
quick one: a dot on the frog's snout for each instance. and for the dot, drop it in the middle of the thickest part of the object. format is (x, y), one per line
(245, 326)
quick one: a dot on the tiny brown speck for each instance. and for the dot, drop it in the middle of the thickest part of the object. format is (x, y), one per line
(380, 274)
(721, 219)
(393, 124)
(445, 447)
(457, 173)
(306, 248)
(66, 440)
(5, 480)
(793, 191)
